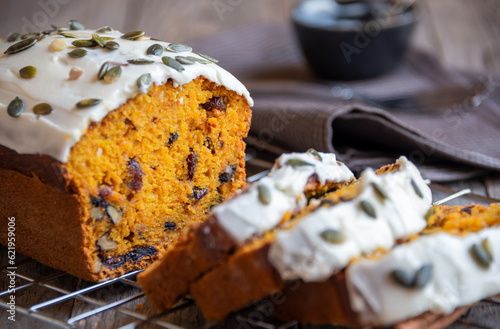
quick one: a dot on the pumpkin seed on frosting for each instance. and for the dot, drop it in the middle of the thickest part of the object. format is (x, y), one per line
(21, 45)
(105, 30)
(89, 102)
(184, 60)
(68, 35)
(140, 61)
(211, 59)
(199, 60)
(333, 236)
(30, 35)
(315, 154)
(298, 163)
(367, 208)
(132, 35)
(27, 72)
(102, 71)
(77, 53)
(42, 109)
(97, 39)
(14, 37)
(481, 253)
(380, 191)
(178, 48)
(112, 45)
(15, 107)
(264, 194)
(112, 74)
(76, 25)
(144, 83)
(155, 50)
(84, 43)
(169, 61)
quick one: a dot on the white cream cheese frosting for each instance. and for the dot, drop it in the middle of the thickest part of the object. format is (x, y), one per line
(456, 279)
(245, 215)
(56, 133)
(301, 252)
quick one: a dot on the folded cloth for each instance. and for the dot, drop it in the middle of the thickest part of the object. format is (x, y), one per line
(296, 111)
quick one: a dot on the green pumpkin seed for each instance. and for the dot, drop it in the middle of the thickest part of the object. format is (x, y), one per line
(184, 60)
(416, 188)
(368, 208)
(264, 194)
(77, 53)
(105, 30)
(298, 163)
(42, 109)
(132, 35)
(102, 71)
(88, 103)
(48, 32)
(169, 61)
(27, 72)
(178, 48)
(140, 61)
(315, 153)
(84, 43)
(68, 35)
(430, 212)
(30, 35)
(112, 45)
(14, 37)
(380, 191)
(423, 276)
(98, 40)
(155, 50)
(76, 25)
(481, 255)
(144, 83)
(403, 277)
(333, 236)
(106, 39)
(211, 59)
(113, 74)
(199, 60)
(20, 46)
(15, 108)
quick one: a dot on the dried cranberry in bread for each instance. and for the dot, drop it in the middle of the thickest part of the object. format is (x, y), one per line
(250, 214)
(107, 152)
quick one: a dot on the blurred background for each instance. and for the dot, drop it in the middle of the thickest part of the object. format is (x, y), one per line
(464, 33)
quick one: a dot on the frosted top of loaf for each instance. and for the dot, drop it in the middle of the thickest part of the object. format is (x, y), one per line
(264, 204)
(54, 134)
(455, 278)
(326, 240)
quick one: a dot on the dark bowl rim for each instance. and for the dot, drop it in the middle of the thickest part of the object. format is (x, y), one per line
(412, 15)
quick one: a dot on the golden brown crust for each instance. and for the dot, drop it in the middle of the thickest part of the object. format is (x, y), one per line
(200, 248)
(59, 239)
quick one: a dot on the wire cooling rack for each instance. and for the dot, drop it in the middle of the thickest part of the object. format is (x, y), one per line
(47, 298)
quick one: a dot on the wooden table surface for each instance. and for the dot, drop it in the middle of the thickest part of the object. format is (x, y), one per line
(463, 33)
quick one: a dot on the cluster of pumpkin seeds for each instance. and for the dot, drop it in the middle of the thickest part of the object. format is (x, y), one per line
(410, 279)
(109, 75)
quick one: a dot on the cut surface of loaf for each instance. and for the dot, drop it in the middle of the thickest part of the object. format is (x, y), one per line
(443, 258)
(248, 215)
(101, 190)
(360, 219)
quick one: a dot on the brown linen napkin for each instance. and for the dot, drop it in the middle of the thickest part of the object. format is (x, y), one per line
(297, 112)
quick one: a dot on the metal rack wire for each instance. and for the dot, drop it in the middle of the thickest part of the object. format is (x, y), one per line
(47, 295)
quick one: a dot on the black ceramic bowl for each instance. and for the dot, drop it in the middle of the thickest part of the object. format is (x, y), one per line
(354, 40)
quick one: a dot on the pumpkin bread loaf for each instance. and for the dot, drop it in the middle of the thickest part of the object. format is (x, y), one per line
(111, 144)
(277, 198)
